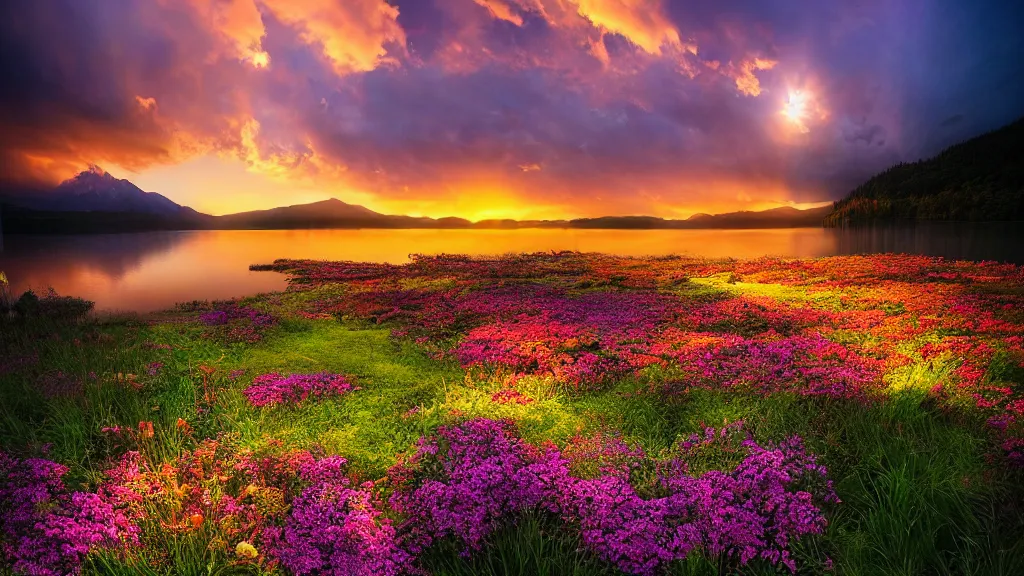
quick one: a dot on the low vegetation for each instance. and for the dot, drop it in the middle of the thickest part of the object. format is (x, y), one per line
(550, 413)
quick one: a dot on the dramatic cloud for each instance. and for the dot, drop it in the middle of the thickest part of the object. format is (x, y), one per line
(480, 108)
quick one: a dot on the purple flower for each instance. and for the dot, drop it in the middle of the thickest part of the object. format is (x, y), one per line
(488, 477)
(269, 389)
(214, 318)
(336, 530)
(479, 475)
(47, 531)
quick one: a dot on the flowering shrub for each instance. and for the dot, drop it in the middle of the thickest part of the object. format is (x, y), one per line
(475, 476)
(233, 322)
(468, 480)
(809, 365)
(336, 530)
(46, 530)
(270, 389)
(768, 500)
(233, 497)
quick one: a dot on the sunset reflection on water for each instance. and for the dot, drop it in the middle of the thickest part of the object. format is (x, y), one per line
(152, 271)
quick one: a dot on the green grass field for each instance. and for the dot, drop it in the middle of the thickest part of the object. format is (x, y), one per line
(923, 484)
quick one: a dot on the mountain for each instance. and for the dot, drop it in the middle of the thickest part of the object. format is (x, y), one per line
(331, 213)
(300, 215)
(784, 217)
(981, 179)
(95, 201)
(95, 190)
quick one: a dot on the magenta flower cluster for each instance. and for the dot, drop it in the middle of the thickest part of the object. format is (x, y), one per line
(335, 529)
(274, 388)
(769, 500)
(45, 530)
(460, 485)
(233, 323)
(809, 365)
(475, 477)
(582, 340)
(470, 479)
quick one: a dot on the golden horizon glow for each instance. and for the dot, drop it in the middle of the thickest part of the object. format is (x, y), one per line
(241, 187)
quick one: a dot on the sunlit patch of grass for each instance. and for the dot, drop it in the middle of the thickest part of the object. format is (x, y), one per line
(544, 413)
(920, 376)
(426, 283)
(368, 425)
(818, 297)
(294, 300)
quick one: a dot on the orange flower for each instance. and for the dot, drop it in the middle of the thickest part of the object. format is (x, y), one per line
(196, 520)
(183, 426)
(146, 429)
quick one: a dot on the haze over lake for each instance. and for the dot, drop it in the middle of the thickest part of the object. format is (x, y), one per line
(154, 270)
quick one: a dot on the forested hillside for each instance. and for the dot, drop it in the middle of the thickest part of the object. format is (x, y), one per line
(980, 179)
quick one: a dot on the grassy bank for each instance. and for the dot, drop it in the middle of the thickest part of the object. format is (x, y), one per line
(901, 375)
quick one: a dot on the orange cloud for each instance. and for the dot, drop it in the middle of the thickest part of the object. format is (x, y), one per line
(746, 82)
(237, 21)
(641, 21)
(352, 34)
(501, 11)
(146, 103)
(303, 165)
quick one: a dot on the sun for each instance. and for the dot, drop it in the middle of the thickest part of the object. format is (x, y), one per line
(796, 110)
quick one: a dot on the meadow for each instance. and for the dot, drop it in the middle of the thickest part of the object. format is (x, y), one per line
(533, 414)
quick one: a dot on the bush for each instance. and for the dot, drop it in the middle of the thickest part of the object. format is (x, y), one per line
(52, 306)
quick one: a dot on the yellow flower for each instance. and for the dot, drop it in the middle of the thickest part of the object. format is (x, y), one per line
(246, 550)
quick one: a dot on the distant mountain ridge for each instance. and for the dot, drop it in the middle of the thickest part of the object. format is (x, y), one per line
(981, 179)
(332, 213)
(95, 190)
(95, 201)
(783, 217)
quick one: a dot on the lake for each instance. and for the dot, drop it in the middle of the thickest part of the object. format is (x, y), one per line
(153, 270)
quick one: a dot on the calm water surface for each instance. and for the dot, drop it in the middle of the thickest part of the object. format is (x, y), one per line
(153, 270)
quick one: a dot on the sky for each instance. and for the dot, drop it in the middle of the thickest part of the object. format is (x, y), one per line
(499, 108)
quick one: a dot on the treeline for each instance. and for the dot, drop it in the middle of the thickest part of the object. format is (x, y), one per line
(981, 179)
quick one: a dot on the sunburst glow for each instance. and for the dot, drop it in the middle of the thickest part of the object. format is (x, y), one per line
(797, 109)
